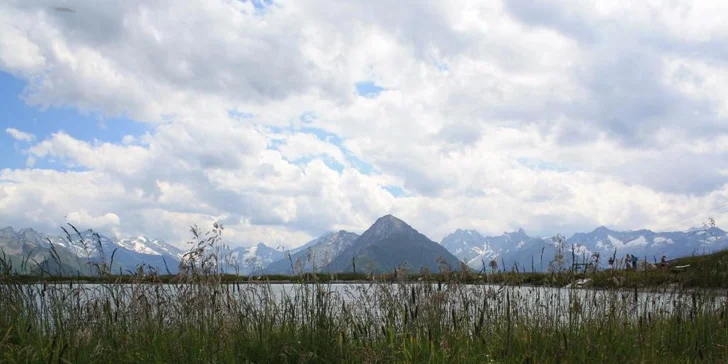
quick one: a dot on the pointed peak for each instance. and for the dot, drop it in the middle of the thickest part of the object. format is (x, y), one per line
(601, 229)
(389, 217)
(389, 222)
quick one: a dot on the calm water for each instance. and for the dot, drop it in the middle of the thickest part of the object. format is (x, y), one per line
(373, 299)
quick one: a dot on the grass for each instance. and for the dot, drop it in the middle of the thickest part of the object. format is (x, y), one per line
(215, 318)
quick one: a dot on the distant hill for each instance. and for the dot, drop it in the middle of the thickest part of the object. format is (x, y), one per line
(391, 243)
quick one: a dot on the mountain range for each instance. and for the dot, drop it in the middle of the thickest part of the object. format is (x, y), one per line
(388, 244)
(518, 249)
(314, 255)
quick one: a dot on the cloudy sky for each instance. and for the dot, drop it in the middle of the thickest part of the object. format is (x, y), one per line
(287, 119)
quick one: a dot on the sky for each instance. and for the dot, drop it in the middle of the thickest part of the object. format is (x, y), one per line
(287, 119)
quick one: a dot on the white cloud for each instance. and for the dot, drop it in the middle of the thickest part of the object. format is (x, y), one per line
(495, 115)
(20, 136)
(82, 218)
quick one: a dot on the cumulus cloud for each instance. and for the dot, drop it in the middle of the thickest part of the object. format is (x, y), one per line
(20, 136)
(494, 115)
(82, 218)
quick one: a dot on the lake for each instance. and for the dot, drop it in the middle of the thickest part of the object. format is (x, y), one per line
(373, 301)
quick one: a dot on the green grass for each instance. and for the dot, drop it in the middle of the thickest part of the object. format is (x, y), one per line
(207, 320)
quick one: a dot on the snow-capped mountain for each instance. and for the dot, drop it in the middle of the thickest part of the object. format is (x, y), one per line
(649, 244)
(84, 245)
(78, 249)
(28, 251)
(127, 253)
(144, 245)
(387, 243)
(519, 249)
(246, 260)
(469, 246)
(477, 250)
(314, 255)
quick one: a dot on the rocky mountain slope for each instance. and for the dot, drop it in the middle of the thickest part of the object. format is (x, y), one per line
(315, 255)
(390, 243)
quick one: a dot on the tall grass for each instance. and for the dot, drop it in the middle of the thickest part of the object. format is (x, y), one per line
(203, 318)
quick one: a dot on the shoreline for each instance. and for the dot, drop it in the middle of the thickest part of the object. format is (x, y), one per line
(664, 289)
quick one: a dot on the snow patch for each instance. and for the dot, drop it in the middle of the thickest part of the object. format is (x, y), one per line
(659, 240)
(641, 241)
(616, 243)
(581, 250)
(251, 254)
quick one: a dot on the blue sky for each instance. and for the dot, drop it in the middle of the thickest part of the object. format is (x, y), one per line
(368, 88)
(290, 119)
(42, 122)
(95, 127)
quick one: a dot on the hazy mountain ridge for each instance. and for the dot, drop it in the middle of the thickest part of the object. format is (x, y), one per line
(128, 253)
(387, 244)
(246, 260)
(535, 253)
(474, 249)
(29, 252)
(315, 255)
(144, 245)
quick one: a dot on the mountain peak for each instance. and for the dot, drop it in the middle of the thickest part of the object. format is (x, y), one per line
(387, 225)
(28, 232)
(519, 232)
(389, 217)
(388, 244)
